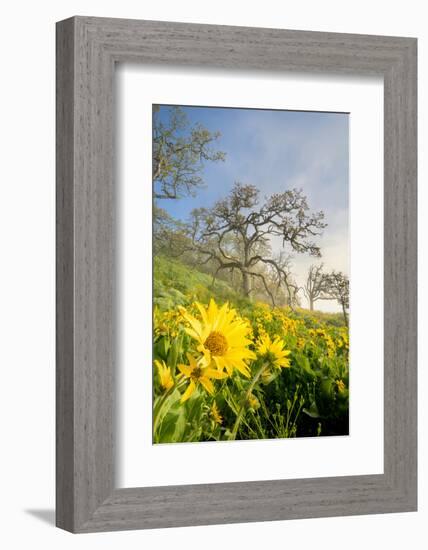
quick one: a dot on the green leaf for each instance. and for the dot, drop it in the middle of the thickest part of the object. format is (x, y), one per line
(173, 354)
(172, 427)
(313, 411)
(161, 348)
(194, 408)
(326, 387)
(162, 406)
(303, 363)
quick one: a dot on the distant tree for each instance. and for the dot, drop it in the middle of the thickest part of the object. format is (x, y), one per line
(338, 289)
(179, 152)
(284, 296)
(235, 234)
(169, 233)
(315, 287)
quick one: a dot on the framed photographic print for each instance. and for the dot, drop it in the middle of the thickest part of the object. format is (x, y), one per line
(236, 274)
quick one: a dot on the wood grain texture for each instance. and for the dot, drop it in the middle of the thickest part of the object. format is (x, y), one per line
(64, 276)
(87, 49)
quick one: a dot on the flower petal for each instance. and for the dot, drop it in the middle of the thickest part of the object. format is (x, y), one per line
(207, 384)
(213, 373)
(184, 369)
(190, 389)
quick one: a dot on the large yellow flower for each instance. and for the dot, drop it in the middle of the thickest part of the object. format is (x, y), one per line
(198, 374)
(222, 336)
(273, 351)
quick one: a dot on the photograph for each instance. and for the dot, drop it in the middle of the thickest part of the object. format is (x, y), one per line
(250, 274)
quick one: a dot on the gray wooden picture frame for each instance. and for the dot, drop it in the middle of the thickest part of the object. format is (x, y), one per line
(87, 50)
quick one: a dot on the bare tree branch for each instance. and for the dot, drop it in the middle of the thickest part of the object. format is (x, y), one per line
(179, 152)
(338, 289)
(315, 287)
(236, 233)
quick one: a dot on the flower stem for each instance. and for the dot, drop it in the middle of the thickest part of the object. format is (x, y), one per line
(241, 412)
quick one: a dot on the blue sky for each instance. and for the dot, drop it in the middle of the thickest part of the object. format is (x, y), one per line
(275, 151)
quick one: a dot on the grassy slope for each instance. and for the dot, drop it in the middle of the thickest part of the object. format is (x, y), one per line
(178, 284)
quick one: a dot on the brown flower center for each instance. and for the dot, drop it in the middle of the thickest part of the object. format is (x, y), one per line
(196, 373)
(216, 343)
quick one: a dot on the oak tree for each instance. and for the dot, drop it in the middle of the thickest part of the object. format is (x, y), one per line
(315, 287)
(338, 289)
(237, 233)
(179, 153)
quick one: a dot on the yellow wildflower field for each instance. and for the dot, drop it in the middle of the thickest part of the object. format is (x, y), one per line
(260, 373)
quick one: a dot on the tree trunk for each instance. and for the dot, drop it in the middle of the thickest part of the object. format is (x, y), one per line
(246, 284)
(311, 304)
(345, 316)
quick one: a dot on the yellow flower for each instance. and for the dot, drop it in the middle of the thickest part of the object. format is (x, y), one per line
(165, 376)
(290, 325)
(222, 337)
(267, 376)
(215, 413)
(331, 348)
(273, 351)
(340, 385)
(301, 343)
(253, 402)
(198, 374)
(345, 338)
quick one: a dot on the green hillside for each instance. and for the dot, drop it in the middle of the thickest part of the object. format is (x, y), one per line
(176, 284)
